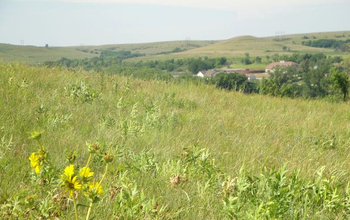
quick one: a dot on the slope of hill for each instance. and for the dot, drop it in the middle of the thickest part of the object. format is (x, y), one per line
(270, 45)
(34, 55)
(264, 46)
(149, 48)
(181, 150)
(231, 48)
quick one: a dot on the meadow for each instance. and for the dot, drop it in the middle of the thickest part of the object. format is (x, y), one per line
(37, 55)
(180, 150)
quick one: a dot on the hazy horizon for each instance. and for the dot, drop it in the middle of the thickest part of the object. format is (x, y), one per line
(77, 22)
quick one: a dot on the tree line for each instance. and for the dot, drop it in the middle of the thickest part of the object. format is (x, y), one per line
(315, 77)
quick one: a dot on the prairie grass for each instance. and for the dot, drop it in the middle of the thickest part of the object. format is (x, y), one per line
(181, 150)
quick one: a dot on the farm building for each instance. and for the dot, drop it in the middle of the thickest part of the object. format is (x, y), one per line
(251, 77)
(270, 68)
(203, 73)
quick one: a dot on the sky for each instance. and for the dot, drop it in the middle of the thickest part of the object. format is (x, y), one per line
(98, 22)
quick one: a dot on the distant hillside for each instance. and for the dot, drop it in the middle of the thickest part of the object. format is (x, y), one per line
(255, 46)
(32, 54)
(234, 47)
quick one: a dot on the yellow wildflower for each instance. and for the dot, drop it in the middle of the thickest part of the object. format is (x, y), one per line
(34, 162)
(69, 171)
(95, 187)
(85, 172)
(70, 182)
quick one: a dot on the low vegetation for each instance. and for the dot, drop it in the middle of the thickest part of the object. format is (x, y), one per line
(180, 149)
(329, 43)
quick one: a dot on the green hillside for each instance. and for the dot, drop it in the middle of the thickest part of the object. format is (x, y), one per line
(270, 45)
(149, 48)
(231, 48)
(34, 55)
(182, 150)
(263, 46)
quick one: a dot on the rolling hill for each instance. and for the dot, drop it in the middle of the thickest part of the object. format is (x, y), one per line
(231, 48)
(35, 55)
(255, 46)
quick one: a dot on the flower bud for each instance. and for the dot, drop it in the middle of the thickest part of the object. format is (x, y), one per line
(93, 148)
(36, 135)
(108, 158)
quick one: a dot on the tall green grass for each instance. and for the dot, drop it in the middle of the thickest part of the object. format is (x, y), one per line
(182, 150)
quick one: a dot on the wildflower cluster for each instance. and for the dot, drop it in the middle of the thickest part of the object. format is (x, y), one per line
(35, 162)
(73, 182)
(69, 181)
(39, 160)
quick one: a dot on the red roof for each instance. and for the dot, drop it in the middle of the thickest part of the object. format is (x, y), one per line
(281, 64)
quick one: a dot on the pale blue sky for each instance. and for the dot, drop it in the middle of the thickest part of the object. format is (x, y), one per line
(75, 22)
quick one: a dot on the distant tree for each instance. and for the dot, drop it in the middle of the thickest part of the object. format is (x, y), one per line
(341, 81)
(284, 48)
(232, 81)
(258, 59)
(246, 61)
(337, 59)
(276, 57)
(198, 64)
(315, 83)
(222, 60)
(46, 46)
(280, 83)
(171, 67)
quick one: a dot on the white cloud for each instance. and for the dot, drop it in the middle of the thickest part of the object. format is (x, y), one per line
(218, 4)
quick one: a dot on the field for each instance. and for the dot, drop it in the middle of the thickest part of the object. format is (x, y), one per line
(180, 150)
(238, 46)
(233, 49)
(35, 55)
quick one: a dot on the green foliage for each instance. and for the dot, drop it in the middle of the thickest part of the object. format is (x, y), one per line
(198, 64)
(327, 43)
(182, 149)
(280, 83)
(81, 92)
(275, 195)
(234, 81)
(341, 81)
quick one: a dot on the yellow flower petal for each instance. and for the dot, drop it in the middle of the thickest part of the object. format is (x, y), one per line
(85, 172)
(69, 171)
(37, 169)
(33, 159)
(96, 187)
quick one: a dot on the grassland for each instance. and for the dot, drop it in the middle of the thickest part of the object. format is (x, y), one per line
(181, 150)
(35, 55)
(264, 46)
(238, 46)
(149, 48)
(233, 49)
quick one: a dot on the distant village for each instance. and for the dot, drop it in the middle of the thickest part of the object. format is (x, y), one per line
(251, 74)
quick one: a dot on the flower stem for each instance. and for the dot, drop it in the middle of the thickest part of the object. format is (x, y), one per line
(99, 184)
(75, 208)
(87, 164)
(89, 211)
